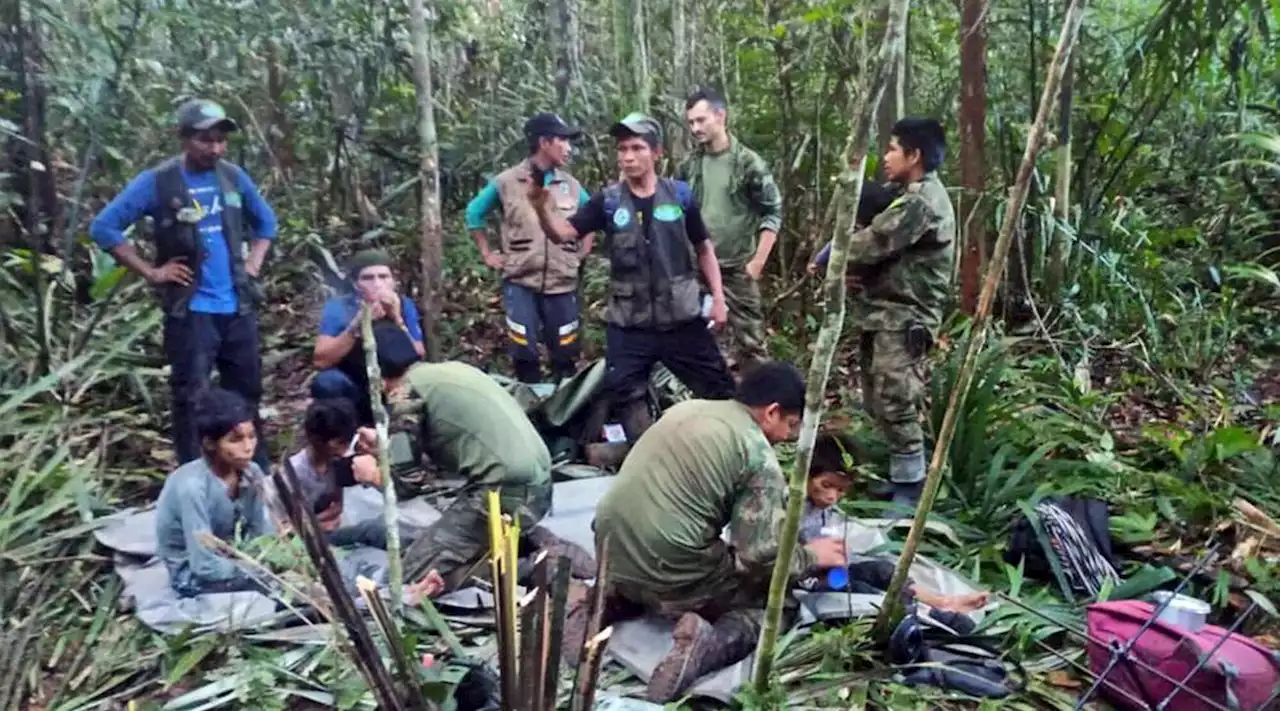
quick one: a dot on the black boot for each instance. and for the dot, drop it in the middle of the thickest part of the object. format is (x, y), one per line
(702, 648)
(528, 371)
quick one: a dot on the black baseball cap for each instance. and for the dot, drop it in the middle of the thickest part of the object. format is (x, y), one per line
(549, 124)
(636, 124)
(202, 115)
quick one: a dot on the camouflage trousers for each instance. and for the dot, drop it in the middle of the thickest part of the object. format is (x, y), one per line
(744, 339)
(893, 387)
(455, 543)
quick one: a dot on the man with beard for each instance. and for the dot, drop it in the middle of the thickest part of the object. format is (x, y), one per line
(539, 275)
(743, 211)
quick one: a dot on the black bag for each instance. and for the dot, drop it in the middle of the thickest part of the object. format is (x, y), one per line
(930, 655)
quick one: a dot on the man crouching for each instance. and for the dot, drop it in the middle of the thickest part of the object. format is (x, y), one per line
(703, 466)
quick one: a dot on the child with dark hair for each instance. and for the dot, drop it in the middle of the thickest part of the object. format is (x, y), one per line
(217, 494)
(830, 477)
(332, 461)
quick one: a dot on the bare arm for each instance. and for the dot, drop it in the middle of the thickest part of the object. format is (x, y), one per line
(127, 255)
(330, 350)
(257, 255)
(768, 238)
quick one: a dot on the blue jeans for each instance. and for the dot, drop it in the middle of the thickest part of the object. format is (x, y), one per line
(333, 383)
(195, 344)
(551, 319)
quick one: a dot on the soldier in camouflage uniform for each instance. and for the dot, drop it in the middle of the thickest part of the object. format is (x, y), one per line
(703, 466)
(657, 244)
(743, 211)
(903, 261)
(470, 428)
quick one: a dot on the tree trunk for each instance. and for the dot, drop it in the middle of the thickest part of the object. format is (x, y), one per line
(624, 51)
(783, 47)
(894, 106)
(643, 88)
(1056, 263)
(565, 28)
(982, 320)
(856, 150)
(679, 78)
(973, 141)
(429, 173)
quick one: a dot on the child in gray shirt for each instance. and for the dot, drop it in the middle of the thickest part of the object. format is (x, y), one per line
(218, 495)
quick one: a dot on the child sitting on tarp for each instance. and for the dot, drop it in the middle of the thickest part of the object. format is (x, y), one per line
(830, 476)
(216, 495)
(337, 455)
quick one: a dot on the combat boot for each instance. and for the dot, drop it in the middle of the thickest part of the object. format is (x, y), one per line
(906, 471)
(701, 648)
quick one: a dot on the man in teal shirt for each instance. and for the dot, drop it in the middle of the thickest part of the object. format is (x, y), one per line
(539, 275)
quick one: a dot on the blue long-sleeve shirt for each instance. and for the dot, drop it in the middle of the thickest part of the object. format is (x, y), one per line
(488, 198)
(215, 289)
(194, 501)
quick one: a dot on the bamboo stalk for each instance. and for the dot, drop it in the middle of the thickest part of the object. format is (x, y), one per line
(982, 318)
(555, 637)
(533, 636)
(856, 148)
(593, 658)
(363, 650)
(395, 643)
(382, 423)
(596, 612)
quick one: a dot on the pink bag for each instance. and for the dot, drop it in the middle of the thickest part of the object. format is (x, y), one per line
(1242, 674)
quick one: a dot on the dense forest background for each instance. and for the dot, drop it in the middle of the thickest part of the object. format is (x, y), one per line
(1135, 358)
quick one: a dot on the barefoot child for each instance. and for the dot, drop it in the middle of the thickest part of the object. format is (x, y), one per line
(830, 476)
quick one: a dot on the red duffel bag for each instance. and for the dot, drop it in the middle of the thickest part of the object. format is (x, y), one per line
(1241, 674)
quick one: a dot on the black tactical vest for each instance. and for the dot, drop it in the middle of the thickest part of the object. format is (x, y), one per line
(175, 238)
(654, 275)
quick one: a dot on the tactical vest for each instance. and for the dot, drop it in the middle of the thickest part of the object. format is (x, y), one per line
(531, 259)
(654, 280)
(175, 238)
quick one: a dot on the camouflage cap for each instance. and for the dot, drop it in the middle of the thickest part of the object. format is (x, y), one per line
(202, 115)
(636, 124)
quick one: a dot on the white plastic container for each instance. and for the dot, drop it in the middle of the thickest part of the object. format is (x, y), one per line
(1186, 612)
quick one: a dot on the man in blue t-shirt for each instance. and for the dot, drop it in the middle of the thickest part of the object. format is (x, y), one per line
(339, 352)
(211, 230)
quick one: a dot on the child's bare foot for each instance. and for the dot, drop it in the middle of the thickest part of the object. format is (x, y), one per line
(964, 603)
(430, 586)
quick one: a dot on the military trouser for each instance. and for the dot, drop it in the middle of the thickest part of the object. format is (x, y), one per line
(735, 605)
(893, 375)
(460, 537)
(745, 336)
